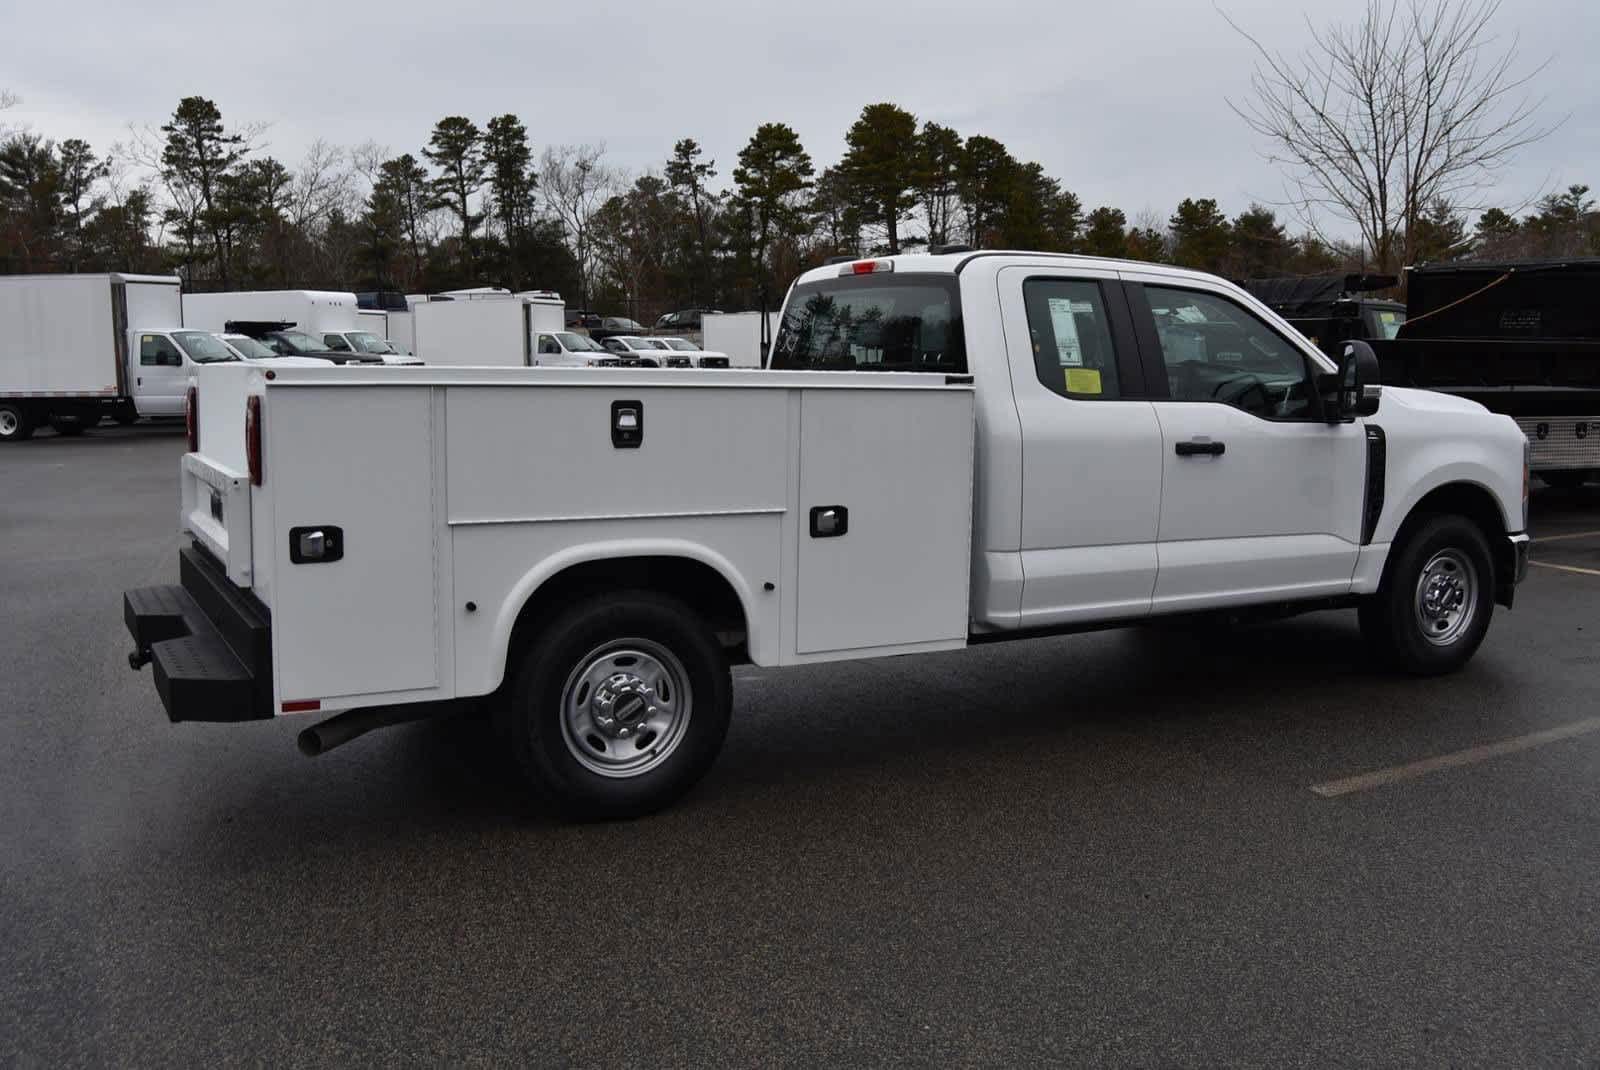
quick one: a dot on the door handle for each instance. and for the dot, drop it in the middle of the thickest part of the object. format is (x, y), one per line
(829, 521)
(1201, 449)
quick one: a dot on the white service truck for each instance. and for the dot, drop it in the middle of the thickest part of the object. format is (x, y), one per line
(76, 349)
(484, 329)
(946, 450)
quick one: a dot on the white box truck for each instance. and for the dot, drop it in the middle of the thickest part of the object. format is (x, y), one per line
(75, 349)
(484, 331)
(589, 551)
(738, 334)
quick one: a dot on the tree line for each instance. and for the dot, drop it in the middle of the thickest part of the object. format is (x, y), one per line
(476, 205)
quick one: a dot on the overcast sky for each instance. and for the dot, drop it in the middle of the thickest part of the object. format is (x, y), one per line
(1125, 102)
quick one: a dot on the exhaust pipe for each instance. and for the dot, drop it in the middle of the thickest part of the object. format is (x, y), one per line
(342, 728)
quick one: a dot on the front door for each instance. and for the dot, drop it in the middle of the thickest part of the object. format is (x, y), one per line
(1090, 446)
(1261, 499)
(160, 379)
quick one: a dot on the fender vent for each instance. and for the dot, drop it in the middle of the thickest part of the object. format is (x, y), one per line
(1377, 463)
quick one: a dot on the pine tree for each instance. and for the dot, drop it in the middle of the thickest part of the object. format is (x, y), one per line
(880, 165)
(456, 149)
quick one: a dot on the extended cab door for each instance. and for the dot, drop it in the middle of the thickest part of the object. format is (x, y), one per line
(1091, 447)
(1261, 499)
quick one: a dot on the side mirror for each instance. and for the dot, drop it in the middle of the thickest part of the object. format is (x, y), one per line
(1359, 386)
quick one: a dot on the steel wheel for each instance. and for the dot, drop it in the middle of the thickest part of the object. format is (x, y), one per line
(1446, 596)
(10, 423)
(625, 708)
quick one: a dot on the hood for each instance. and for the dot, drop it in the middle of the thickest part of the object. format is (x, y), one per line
(1428, 400)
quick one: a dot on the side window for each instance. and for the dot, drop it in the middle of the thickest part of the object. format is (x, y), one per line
(336, 342)
(549, 345)
(158, 351)
(1072, 348)
(1217, 350)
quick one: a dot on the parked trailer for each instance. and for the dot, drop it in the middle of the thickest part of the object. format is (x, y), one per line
(79, 348)
(738, 334)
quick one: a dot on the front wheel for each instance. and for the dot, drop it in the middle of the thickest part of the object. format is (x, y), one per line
(619, 706)
(1434, 605)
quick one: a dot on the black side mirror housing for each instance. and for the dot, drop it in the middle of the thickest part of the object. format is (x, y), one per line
(1360, 387)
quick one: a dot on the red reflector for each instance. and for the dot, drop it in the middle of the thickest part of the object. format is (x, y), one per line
(191, 418)
(302, 705)
(252, 437)
(863, 267)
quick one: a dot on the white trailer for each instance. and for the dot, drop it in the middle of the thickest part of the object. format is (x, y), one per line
(484, 332)
(78, 348)
(738, 334)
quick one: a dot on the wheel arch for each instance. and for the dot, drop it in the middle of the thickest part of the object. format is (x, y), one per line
(700, 577)
(1477, 503)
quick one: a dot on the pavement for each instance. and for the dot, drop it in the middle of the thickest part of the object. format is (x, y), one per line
(1102, 849)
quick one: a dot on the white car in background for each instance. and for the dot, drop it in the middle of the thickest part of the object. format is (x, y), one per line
(366, 342)
(700, 358)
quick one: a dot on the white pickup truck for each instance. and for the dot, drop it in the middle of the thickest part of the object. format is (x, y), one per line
(945, 450)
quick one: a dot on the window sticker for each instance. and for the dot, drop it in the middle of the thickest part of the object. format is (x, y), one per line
(1083, 381)
(1069, 352)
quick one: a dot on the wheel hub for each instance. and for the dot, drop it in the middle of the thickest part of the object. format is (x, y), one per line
(622, 704)
(1446, 597)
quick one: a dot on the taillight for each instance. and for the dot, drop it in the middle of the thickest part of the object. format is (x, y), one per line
(191, 418)
(252, 437)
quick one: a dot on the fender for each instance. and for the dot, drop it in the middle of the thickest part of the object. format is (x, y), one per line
(611, 550)
(1422, 471)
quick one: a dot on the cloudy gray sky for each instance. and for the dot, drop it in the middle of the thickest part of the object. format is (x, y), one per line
(1124, 101)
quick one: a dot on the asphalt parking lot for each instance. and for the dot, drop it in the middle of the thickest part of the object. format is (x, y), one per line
(1098, 849)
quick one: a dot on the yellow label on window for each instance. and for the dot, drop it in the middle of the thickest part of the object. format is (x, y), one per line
(1083, 381)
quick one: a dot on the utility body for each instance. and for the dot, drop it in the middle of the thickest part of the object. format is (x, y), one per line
(945, 450)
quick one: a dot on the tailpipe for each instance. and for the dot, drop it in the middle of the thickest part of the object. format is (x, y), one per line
(342, 728)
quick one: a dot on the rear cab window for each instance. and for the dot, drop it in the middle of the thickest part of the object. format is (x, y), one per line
(883, 322)
(1070, 332)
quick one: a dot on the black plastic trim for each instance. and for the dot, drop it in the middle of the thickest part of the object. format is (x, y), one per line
(629, 438)
(1377, 477)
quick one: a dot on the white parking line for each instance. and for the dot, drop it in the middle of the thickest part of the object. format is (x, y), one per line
(1567, 568)
(1569, 535)
(1382, 777)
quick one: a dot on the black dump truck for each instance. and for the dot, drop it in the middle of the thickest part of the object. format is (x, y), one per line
(1521, 338)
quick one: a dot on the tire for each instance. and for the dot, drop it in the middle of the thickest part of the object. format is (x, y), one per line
(14, 423)
(1567, 480)
(1433, 607)
(618, 706)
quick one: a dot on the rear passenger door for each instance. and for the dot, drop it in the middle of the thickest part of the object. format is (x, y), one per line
(1261, 499)
(1091, 446)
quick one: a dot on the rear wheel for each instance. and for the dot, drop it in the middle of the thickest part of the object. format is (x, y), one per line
(1437, 596)
(14, 423)
(619, 706)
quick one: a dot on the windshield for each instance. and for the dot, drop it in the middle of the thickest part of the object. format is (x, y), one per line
(617, 323)
(1388, 321)
(907, 323)
(302, 342)
(248, 346)
(368, 342)
(203, 347)
(577, 343)
(682, 345)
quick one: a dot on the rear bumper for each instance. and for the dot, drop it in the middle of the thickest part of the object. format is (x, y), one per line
(209, 644)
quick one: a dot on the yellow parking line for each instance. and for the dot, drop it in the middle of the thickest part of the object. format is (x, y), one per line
(1383, 777)
(1568, 535)
(1567, 568)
